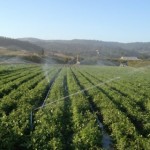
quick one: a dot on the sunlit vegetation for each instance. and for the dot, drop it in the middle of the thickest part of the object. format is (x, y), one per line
(66, 104)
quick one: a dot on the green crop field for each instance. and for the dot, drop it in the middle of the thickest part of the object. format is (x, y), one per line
(45, 107)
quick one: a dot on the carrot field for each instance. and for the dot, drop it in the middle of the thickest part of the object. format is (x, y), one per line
(66, 107)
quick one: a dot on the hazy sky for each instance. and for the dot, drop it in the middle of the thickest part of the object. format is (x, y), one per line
(108, 20)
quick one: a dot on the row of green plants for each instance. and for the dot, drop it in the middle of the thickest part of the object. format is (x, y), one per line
(7, 70)
(49, 121)
(7, 88)
(67, 123)
(15, 127)
(87, 134)
(137, 116)
(123, 131)
(133, 84)
(10, 101)
(16, 75)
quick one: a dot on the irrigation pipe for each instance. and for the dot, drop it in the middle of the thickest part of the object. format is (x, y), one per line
(86, 89)
(55, 101)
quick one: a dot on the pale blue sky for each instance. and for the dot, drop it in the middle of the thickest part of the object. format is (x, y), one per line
(107, 20)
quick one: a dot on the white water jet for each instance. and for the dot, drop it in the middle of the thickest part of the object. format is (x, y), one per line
(45, 68)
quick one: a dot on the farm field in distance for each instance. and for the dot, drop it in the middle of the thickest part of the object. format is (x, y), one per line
(74, 107)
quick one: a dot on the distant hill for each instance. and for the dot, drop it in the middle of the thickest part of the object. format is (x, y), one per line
(14, 44)
(94, 47)
(32, 40)
(16, 51)
(65, 51)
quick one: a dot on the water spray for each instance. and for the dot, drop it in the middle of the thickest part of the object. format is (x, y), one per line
(58, 100)
(81, 91)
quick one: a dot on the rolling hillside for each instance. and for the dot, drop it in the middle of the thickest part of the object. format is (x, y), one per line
(13, 44)
(89, 47)
(16, 51)
(64, 51)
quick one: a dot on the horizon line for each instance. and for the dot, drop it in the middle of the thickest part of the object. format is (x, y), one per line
(45, 39)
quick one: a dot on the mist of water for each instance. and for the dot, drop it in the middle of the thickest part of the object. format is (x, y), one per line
(100, 62)
(45, 68)
(13, 60)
